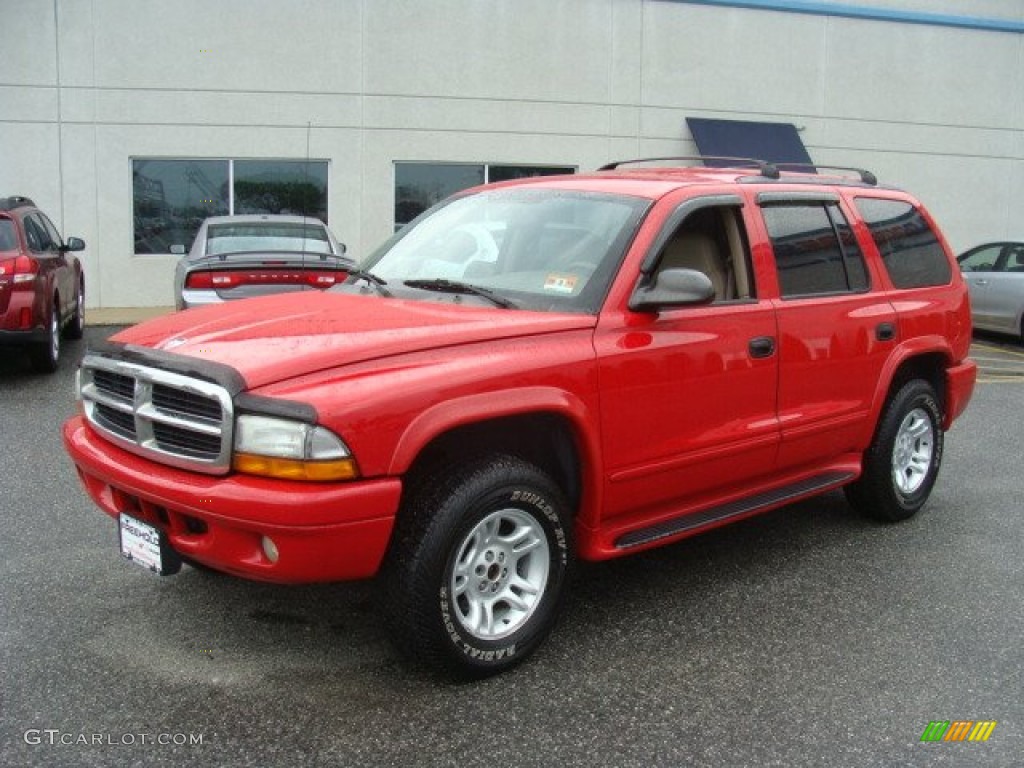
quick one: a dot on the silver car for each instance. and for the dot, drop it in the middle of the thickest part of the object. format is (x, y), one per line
(995, 277)
(235, 257)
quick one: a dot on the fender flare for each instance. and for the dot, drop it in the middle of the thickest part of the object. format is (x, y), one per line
(471, 409)
(916, 347)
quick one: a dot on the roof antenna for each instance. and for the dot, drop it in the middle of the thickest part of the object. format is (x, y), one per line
(305, 182)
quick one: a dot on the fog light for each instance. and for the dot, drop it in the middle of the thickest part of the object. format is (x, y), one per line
(269, 549)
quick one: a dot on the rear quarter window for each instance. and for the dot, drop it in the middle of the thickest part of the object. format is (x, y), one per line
(910, 250)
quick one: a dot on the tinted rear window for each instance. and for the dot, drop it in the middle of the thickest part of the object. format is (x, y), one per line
(910, 249)
(8, 237)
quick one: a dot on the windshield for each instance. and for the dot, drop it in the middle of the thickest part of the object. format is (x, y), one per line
(267, 236)
(541, 249)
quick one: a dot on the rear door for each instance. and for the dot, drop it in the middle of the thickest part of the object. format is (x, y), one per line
(835, 331)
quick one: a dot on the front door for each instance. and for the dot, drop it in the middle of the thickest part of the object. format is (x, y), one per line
(688, 394)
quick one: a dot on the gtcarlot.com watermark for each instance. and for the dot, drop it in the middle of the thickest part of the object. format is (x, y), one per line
(54, 737)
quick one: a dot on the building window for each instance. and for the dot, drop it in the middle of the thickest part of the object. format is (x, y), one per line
(910, 250)
(172, 197)
(418, 186)
(275, 186)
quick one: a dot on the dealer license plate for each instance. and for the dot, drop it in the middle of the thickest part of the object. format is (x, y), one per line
(145, 545)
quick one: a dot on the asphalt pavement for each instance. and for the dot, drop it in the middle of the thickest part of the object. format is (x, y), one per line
(804, 637)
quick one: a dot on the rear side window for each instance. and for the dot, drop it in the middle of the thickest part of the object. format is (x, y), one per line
(8, 237)
(910, 250)
(815, 250)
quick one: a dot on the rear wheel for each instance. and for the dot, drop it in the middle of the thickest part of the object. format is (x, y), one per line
(902, 463)
(479, 559)
(45, 355)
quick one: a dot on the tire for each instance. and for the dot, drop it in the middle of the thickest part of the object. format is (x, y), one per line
(479, 558)
(75, 329)
(902, 462)
(45, 355)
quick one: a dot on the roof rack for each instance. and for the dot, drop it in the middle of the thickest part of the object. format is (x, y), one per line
(865, 176)
(15, 201)
(766, 169)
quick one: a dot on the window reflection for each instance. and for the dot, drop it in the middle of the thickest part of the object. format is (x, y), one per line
(297, 188)
(418, 186)
(171, 199)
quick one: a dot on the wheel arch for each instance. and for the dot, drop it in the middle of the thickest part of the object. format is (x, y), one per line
(544, 426)
(928, 362)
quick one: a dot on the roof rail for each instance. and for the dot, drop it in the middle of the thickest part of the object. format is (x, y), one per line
(766, 169)
(865, 176)
(14, 201)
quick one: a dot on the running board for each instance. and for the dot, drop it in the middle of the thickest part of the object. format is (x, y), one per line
(736, 508)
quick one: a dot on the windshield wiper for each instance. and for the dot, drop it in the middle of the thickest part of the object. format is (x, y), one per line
(377, 282)
(454, 286)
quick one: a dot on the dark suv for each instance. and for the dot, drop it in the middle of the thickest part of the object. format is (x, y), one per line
(42, 289)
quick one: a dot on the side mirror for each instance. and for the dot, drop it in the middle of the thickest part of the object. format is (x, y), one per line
(673, 288)
(178, 250)
(74, 244)
(342, 249)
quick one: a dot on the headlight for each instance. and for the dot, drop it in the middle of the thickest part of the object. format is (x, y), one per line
(292, 450)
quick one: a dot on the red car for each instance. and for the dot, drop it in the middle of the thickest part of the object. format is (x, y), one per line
(42, 289)
(534, 372)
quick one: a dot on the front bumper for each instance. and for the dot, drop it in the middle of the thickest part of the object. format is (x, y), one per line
(323, 532)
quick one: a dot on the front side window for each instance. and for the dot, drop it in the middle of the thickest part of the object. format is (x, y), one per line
(910, 250)
(171, 198)
(542, 249)
(984, 259)
(38, 237)
(713, 240)
(815, 250)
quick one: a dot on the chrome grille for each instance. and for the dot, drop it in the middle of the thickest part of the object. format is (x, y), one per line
(167, 417)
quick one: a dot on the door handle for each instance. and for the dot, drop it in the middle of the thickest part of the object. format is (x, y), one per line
(762, 346)
(885, 331)
(981, 282)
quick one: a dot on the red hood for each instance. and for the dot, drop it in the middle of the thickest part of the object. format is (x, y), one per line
(279, 337)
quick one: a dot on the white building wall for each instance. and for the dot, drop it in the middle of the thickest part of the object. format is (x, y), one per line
(85, 86)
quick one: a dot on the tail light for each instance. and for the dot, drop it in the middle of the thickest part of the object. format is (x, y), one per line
(227, 279)
(25, 271)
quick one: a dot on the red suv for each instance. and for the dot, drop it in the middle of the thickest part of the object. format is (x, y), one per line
(533, 372)
(42, 289)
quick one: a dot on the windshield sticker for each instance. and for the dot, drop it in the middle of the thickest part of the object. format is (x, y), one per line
(560, 283)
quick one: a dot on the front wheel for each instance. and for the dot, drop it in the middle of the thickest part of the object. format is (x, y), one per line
(902, 463)
(45, 355)
(75, 328)
(479, 559)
